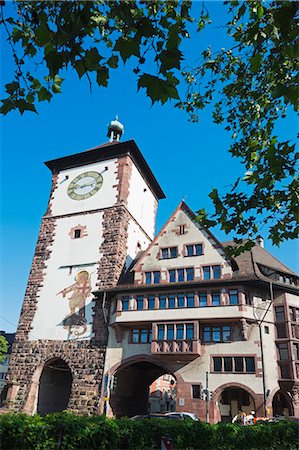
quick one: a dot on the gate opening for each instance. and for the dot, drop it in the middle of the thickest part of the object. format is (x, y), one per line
(54, 387)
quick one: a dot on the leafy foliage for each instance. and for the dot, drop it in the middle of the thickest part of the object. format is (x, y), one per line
(90, 37)
(3, 348)
(254, 86)
(72, 432)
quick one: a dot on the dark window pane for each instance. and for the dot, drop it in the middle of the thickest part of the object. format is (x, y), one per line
(285, 370)
(250, 365)
(233, 297)
(160, 332)
(162, 301)
(207, 334)
(156, 277)
(228, 364)
(202, 299)
(77, 234)
(180, 331)
(215, 298)
(190, 300)
(171, 301)
(206, 273)
(198, 249)
(181, 300)
(226, 336)
(164, 253)
(239, 364)
(171, 276)
(216, 334)
(173, 252)
(279, 313)
(135, 336)
(281, 330)
(189, 249)
(144, 336)
(150, 334)
(151, 302)
(148, 277)
(189, 331)
(170, 332)
(180, 274)
(195, 391)
(125, 304)
(190, 274)
(139, 301)
(216, 271)
(217, 364)
(283, 351)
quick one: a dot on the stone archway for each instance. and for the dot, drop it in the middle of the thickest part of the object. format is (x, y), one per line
(282, 404)
(233, 397)
(55, 386)
(130, 382)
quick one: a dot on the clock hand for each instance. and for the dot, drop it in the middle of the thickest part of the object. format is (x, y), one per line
(83, 185)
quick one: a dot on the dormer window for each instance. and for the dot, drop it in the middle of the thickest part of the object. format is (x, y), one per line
(169, 252)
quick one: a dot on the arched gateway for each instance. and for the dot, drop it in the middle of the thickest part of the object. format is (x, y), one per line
(129, 392)
(54, 387)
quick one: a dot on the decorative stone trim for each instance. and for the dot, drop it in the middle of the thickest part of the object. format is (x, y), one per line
(81, 228)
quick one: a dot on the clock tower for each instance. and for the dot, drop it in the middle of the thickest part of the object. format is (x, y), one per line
(100, 214)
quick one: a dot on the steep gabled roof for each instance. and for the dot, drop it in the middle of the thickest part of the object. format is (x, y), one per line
(182, 206)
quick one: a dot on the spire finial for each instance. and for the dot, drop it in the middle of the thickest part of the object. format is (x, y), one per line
(115, 130)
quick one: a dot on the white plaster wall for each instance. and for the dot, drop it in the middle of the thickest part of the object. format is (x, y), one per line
(52, 307)
(168, 238)
(135, 236)
(105, 197)
(292, 300)
(142, 202)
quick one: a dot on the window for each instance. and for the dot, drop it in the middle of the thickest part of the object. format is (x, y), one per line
(125, 303)
(238, 364)
(170, 332)
(182, 229)
(216, 333)
(77, 234)
(151, 302)
(195, 391)
(139, 302)
(170, 252)
(171, 301)
(215, 298)
(176, 331)
(152, 277)
(180, 275)
(141, 335)
(294, 314)
(162, 301)
(217, 364)
(281, 330)
(279, 313)
(285, 370)
(190, 300)
(267, 331)
(194, 250)
(203, 300)
(181, 300)
(296, 351)
(216, 272)
(206, 273)
(233, 297)
(283, 351)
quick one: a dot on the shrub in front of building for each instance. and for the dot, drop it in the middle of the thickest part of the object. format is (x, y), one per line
(65, 431)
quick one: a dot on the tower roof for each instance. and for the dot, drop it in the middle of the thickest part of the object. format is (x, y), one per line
(107, 151)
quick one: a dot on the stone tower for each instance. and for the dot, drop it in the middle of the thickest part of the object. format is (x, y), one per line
(100, 214)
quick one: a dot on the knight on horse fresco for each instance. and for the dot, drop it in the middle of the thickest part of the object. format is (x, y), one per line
(80, 291)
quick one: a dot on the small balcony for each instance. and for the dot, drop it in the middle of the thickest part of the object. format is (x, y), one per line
(182, 349)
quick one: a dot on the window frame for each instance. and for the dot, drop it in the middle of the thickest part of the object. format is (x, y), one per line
(248, 361)
(169, 252)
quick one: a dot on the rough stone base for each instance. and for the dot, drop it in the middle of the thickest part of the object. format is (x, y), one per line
(84, 358)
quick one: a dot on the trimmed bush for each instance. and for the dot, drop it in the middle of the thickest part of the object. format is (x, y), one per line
(65, 431)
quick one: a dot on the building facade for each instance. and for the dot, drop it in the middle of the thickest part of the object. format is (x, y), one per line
(109, 309)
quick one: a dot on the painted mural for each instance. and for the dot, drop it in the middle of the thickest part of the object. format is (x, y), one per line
(79, 291)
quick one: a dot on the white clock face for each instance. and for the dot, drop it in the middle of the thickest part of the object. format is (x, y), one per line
(85, 185)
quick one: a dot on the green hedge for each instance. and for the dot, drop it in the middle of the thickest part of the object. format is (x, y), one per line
(64, 431)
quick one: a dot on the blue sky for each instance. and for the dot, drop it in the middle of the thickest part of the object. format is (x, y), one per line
(187, 159)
